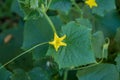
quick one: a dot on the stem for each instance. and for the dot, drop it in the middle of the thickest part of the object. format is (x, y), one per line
(48, 19)
(74, 3)
(50, 22)
(23, 54)
(65, 74)
(94, 64)
(49, 3)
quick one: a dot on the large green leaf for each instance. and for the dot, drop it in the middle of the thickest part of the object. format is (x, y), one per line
(78, 50)
(37, 31)
(4, 74)
(103, 7)
(36, 53)
(99, 72)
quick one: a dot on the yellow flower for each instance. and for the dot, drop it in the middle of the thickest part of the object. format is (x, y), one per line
(91, 3)
(57, 42)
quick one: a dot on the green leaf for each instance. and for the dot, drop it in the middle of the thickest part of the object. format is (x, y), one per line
(97, 44)
(38, 30)
(117, 59)
(34, 4)
(27, 1)
(16, 8)
(27, 7)
(4, 74)
(36, 53)
(84, 22)
(37, 73)
(104, 7)
(99, 72)
(78, 50)
(39, 52)
(61, 5)
(19, 74)
(35, 32)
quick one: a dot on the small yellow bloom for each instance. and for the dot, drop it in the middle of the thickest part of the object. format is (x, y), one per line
(57, 42)
(91, 3)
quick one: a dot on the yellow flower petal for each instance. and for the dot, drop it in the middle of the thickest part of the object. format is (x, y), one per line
(62, 38)
(91, 3)
(57, 42)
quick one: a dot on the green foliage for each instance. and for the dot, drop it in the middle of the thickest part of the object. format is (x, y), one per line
(73, 55)
(34, 74)
(34, 4)
(104, 7)
(36, 26)
(61, 5)
(99, 72)
(92, 36)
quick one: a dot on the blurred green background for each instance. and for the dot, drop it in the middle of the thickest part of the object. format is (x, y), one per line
(11, 31)
(11, 37)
